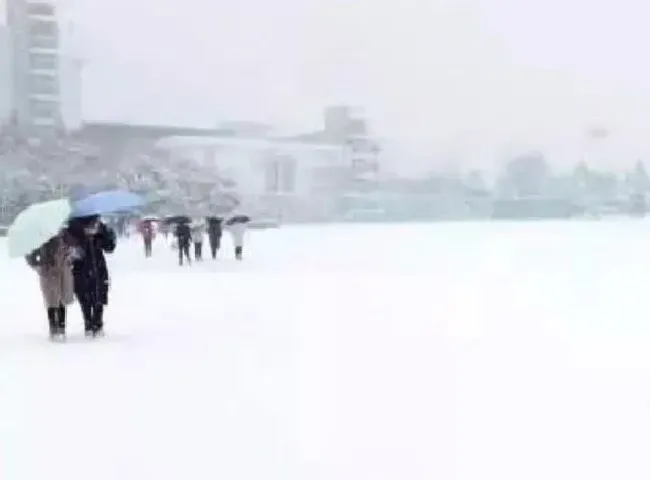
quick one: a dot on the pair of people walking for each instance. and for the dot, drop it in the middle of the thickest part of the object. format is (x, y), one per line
(186, 234)
(73, 264)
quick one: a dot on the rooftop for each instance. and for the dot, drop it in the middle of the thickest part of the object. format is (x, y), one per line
(105, 130)
(255, 143)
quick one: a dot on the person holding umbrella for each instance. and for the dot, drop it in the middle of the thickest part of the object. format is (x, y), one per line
(148, 234)
(238, 225)
(91, 239)
(214, 235)
(183, 235)
(35, 235)
(198, 232)
(52, 263)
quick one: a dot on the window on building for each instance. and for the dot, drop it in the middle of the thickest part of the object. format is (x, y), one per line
(43, 84)
(42, 9)
(272, 176)
(44, 109)
(43, 28)
(288, 177)
(40, 41)
(43, 61)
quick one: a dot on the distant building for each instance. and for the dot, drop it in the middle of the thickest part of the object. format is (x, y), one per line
(347, 126)
(304, 177)
(260, 166)
(247, 129)
(6, 82)
(293, 180)
(43, 79)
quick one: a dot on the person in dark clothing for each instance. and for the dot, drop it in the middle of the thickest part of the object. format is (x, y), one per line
(215, 231)
(184, 237)
(92, 239)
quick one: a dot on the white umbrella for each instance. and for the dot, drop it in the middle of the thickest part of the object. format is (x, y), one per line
(35, 225)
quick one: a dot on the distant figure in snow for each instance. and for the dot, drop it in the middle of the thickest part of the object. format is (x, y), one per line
(164, 229)
(184, 238)
(198, 232)
(238, 225)
(92, 238)
(122, 226)
(214, 235)
(53, 264)
(148, 233)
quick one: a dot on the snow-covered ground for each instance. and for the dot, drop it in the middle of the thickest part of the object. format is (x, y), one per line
(444, 351)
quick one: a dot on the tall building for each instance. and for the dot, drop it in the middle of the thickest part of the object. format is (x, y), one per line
(347, 126)
(44, 82)
(6, 82)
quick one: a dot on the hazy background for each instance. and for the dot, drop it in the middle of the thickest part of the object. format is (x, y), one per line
(444, 81)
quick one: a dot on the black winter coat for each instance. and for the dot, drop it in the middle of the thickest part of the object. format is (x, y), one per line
(183, 234)
(214, 230)
(91, 279)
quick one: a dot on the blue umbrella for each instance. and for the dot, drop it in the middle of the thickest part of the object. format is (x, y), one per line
(102, 203)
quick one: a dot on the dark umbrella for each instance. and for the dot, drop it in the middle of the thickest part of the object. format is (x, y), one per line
(238, 219)
(178, 219)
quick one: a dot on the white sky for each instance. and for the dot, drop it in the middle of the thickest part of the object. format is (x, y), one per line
(445, 78)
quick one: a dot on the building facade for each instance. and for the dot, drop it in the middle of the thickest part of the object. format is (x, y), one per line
(44, 82)
(347, 127)
(289, 180)
(6, 81)
(300, 178)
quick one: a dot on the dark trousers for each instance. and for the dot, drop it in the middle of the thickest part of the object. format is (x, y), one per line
(198, 250)
(148, 247)
(93, 316)
(56, 318)
(184, 253)
(214, 247)
(239, 251)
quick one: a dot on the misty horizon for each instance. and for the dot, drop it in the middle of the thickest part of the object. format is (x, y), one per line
(461, 83)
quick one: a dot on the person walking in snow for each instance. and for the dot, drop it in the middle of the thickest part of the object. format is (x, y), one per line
(163, 228)
(198, 232)
(52, 263)
(92, 239)
(148, 234)
(214, 235)
(238, 225)
(183, 235)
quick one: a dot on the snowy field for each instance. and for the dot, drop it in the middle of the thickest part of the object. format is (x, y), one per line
(445, 351)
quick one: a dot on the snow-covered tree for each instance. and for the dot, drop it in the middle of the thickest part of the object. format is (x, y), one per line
(33, 170)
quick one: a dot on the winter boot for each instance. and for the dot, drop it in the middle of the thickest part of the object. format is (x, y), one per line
(52, 323)
(60, 320)
(98, 321)
(59, 336)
